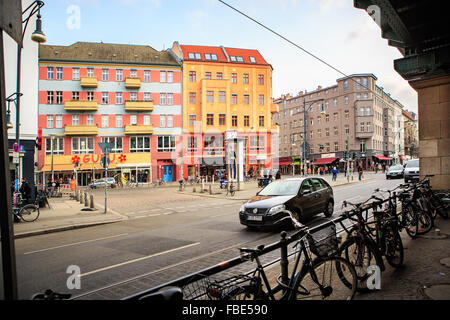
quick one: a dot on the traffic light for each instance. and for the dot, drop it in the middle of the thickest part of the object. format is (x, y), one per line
(354, 155)
(345, 155)
(39, 139)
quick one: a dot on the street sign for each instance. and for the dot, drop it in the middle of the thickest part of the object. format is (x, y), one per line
(106, 147)
(16, 147)
(22, 149)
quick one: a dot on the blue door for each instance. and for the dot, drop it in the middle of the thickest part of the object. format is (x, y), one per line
(168, 173)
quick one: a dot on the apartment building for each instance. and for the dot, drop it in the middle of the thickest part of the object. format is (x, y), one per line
(227, 92)
(411, 136)
(127, 95)
(354, 114)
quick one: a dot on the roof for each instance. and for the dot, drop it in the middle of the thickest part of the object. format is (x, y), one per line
(106, 53)
(223, 54)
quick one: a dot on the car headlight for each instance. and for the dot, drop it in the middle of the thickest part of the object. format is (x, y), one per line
(276, 209)
(242, 209)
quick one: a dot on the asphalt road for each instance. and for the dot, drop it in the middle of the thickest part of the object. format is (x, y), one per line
(120, 259)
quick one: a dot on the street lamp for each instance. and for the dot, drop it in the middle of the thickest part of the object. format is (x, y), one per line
(305, 120)
(37, 36)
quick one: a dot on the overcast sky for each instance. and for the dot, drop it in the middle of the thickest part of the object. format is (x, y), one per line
(335, 31)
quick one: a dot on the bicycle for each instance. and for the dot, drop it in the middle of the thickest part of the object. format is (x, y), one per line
(51, 295)
(231, 190)
(435, 203)
(26, 212)
(323, 276)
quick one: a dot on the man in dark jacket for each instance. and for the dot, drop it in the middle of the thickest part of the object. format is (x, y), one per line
(25, 190)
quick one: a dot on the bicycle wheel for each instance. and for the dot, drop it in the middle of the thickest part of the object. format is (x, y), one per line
(394, 247)
(424, 222)
(245, 292)
(410, 221)
(332, 278)
(29, 212)
(361, 255)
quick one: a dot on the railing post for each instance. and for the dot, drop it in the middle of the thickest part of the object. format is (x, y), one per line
(284, 259)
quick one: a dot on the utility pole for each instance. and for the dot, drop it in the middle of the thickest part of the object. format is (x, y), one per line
(348, 162)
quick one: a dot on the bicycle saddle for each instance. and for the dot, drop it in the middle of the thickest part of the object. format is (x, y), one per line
(252, 250)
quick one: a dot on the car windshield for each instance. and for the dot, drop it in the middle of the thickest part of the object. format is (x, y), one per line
(412, 163)
(397, 167)
(281, 188)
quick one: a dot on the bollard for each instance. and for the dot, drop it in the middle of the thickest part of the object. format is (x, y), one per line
(193, 190)
(203, 186)
(77, 195)
(91, 205)
(80, 196)
(284, 262)
(210, 190)
(86, 200)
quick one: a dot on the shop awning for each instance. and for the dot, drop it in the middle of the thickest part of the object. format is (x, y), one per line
(324, 161)
(70, 167)
(383, 158)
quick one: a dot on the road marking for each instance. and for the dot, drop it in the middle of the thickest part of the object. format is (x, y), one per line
(75, 243)
(137, 260)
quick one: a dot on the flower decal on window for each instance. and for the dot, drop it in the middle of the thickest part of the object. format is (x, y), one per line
(123, 158)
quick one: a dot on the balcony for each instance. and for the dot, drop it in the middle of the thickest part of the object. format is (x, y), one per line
(81, 130)
(138, 129)
(132, 83)
(139, 106)
(89, 82)
(79, 105)
(363, 134)
(274, 108)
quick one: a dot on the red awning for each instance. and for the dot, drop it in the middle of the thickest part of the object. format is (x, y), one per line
(284, 163)
(324, 161)
(382, 158)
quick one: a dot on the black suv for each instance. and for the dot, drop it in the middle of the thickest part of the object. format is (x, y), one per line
(303, 197)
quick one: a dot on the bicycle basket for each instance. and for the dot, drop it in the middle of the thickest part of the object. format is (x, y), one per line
(324, 243)
(224, 289)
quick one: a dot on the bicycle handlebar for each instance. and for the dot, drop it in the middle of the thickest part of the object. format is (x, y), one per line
(51, 295)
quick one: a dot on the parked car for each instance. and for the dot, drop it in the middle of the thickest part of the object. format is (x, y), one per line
(110, 182)
(396, 171)
(411, 172)
(303, 197)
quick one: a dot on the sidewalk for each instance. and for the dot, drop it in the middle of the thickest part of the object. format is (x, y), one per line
(250, 189)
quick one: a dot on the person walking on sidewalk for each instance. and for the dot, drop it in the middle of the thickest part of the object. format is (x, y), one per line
(335, 173)
(25, 190)
(360, 173)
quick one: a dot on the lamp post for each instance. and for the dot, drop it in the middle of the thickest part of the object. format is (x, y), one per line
(37, 36)
(305, 121)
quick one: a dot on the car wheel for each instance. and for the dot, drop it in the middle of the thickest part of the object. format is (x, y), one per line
(329, 209)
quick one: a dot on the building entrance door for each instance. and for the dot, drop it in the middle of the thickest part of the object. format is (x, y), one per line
(168, 174)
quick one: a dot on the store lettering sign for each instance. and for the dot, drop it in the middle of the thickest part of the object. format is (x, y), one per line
(95, 158)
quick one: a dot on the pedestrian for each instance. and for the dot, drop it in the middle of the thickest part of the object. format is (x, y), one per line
(278, 175)
(25, 190)
(360, 172)
(376, 168)
(335, 173)
(309, 170)
(321, 171)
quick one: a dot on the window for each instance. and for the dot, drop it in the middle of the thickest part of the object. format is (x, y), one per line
(133, 96)
(82, 145)
(59, 97)
(207, 75)
(261, 121)
(90, 96)
(209, 96)
(162, 98)
(222, 96)
(362, 127)
(345, 85)
(327, 132)
(119, 75)
(327, 118)
(368, 111)
(358, 84)
(192, 76)
(192, 119)
(192, 144)
(361, 111)
(146, 96)
(50, 73)
(133, 119)
(49, 121)
(319, 133)
(362, 147)
(252, 59)
(365, 84)
(162, 121)
(75, 73)
(105, 99)
(261, 99)
(346, 114)
(245, 77)
(49, 97)
(105, 74)
(222, 119)
(90, 72)
(58, 146)
(246, 121)
(139, 144)
(116, 141)
(162, 76)
(246, 99)
(105, 121)
(346, 99)
(209, 119)
(210, 56)
(234, 98)
(133, 73)
(90, 119)
(192, 97)
(119, 123)
(166, 144)
(194, 55)
(234, 78)
(169, 76)
(335, 102)
(234, 121)
(336, 131)
(59, 121)
(260, 79)
(169, 121)
(347, 129)
(146, 120)
(146, 75)
(119, 98)
(219, 75)
(75, 95)
(257, 142)
(336, 116)
(75, 120)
